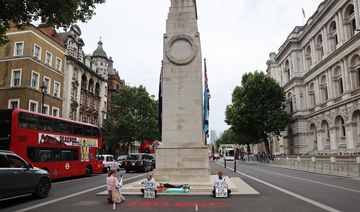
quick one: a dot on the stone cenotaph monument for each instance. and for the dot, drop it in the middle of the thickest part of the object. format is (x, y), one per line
(182, 155)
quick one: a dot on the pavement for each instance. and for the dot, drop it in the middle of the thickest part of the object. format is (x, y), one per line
(235, 184)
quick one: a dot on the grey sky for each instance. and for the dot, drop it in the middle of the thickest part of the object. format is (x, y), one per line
(236, 37)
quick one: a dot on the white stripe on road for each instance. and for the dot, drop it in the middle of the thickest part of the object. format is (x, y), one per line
(298, 178)
(69, 196)
(318, 204)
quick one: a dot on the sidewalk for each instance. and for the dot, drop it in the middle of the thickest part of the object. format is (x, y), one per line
(235, 184)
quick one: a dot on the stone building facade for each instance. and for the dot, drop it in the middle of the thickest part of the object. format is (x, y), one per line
(318, 65)
(86, 80)
(32, 70)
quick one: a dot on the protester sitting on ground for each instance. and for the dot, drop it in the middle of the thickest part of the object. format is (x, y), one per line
(149, 180)
(220, 179)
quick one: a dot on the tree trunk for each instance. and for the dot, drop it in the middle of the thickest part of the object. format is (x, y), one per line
(267, 146)
(248, 148)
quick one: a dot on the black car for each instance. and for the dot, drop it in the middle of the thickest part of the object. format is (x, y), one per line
(121, 160)
(18, 178)
(138, 162)
(153, 160)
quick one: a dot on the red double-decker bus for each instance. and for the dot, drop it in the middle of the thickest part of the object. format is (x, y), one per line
(63, 147)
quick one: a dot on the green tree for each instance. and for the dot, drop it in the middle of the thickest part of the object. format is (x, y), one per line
(133, 117)
(58, 13)
(257, 109)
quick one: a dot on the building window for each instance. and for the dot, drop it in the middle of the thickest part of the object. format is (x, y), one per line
(16, 78)
(58, 64)
(35, 80)
(33, 106)
(308, 57)
(37, 52)
(350, 23)
(19, 48)
(333, 36)
(47, 83)
(319, 48)
(55, 111)
(13, 103)
(48, 58)
(323, 90)
(45, 109)
(57, 89)
(312, 102)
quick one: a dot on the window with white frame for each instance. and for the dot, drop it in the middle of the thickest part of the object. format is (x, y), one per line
(55, 111)
(15, 78)
(45, 109)
(58, 64)
(57, 89)
(35, 80)
(33, 105)
(19, 48)
(13, 103)
(47, 83)
(37, 52)
(48, 58)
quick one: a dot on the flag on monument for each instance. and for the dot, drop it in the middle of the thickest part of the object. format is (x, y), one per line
(207, 96)
(160, 103)
(303, 12)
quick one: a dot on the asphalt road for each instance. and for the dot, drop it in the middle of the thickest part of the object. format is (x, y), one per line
(280, 190)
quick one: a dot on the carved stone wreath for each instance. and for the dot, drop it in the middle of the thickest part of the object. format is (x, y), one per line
(181, 39)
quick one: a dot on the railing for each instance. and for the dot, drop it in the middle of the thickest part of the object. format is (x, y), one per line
(335, 165)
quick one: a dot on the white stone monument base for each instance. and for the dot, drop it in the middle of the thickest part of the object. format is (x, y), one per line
(182, 164)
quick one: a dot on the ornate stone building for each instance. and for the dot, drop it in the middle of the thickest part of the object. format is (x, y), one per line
(319, 67)
(85, 84)
(32, 70)
(115, 83)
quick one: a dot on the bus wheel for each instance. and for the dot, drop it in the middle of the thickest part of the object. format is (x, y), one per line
(42, 189)
(88, 171)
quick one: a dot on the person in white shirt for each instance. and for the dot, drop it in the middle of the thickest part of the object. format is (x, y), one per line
(149, 180)
(220, 179)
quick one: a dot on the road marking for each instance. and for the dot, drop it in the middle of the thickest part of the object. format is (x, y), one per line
(284, 175)
(318, 204)
(72, 195)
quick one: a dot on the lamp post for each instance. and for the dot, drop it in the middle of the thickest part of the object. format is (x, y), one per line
(43, 90)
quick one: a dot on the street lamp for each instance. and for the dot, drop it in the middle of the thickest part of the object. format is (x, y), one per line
(43, 91)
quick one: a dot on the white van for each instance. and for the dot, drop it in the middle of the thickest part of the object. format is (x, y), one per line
(229, 154)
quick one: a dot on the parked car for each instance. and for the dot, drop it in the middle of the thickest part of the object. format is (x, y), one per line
(153, 160)
(109, 162)
(18, 178)
(121, 160)
(138, 162)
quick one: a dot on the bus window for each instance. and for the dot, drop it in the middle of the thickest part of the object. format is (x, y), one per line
(65, 127)
(69, 154)
(27, 120)
(45, 124)
(87, 131)
(45, 155)
(95, 132)
(77, 129)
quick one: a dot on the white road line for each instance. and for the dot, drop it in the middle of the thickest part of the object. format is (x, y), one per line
(312, 181)
(318, 204)
(69, 196)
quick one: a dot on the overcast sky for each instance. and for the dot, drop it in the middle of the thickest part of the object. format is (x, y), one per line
(236, 37)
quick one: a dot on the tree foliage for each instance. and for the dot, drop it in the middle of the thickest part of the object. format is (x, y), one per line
(133, 116)
(257, 109)
(58, 13)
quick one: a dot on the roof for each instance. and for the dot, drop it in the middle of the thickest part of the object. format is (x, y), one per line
(99, 52)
